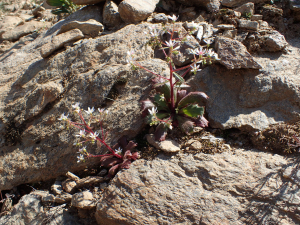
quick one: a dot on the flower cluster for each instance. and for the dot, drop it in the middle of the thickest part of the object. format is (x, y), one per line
(87, 136)
(173, 106)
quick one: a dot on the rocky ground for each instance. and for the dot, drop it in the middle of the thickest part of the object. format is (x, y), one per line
(242, 169)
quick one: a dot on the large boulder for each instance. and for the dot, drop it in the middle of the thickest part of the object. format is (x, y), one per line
(227, 188)
(132, 11)
(234, 55)
(36, 91)
(252, 99)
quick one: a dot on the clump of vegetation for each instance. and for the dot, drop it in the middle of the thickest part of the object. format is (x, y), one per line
(63, 6)
(172, 105)
(120, 156)
(247, 15)
(280, 138)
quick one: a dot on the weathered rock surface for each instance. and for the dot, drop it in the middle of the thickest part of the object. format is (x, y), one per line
(59, 41)
(30, 210)
(90, 27)
(211, 5)
(234, 54)
(249, 25)
(295, 7)
(9, 22)
(246, 8)
(22, 30)
(132, 11)
(228, 188)
(111, 15)
(167, 145)
(274, 42)
(83, 200)
(256, 17)
(36, 145)
(252, 99)
(235, 3)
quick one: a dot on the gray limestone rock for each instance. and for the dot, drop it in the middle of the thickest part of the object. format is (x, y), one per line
(274, 42)
(83, 200)
(247, 24)
(226, 26)
(210, 5)
(59, 41)
(167, 145)
(9, 22)
(246, 8)
(30, 210)
(252, 99)
(111, 15)
(227, 188)
(90, 27)
(25, 29)
(234, 54)
(132, 11)
(256, 17)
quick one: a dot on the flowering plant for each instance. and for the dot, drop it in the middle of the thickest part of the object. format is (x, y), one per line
(173, 105)
(120, 156)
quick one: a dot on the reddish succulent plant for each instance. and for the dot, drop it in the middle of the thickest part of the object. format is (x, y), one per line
(127, 157)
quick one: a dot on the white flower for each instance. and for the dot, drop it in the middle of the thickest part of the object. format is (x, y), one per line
(153, 111)
(90, 110)
(171, 44)
(76, 107)
(43, 20)
(118, 151)
(63, 117)
(81, 134)
(80, 158)
(130, 58)
(170, 127)
(211, 53)
(153, 31)
(200, 51)
(82, 150)
(208, 41)
(174, 18)
(195, 68)
(94, 135)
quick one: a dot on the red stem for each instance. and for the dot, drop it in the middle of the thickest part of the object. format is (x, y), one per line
(102, 141)
(139, 65)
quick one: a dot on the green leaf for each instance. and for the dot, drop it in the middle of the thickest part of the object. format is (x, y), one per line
(192, 111)
(160, 103)
(162, 115)
(164, 88)
(192, 98)
(180, 78)
(55, 2)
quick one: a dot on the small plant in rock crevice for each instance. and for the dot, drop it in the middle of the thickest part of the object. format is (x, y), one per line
(64, 6)
(173, 105)
(120, 156)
